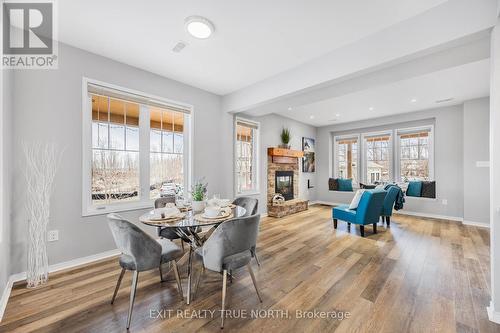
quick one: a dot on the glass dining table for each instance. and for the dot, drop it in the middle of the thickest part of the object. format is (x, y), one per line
(187, 228)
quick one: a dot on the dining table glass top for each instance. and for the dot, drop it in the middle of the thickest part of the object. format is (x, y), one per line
(191, 219)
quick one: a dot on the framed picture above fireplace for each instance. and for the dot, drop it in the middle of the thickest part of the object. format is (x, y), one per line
(308, 160)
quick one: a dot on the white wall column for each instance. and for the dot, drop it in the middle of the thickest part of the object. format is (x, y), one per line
(494, 308)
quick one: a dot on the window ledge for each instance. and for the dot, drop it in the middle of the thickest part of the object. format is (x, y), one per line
(117, 208)
(420, 198)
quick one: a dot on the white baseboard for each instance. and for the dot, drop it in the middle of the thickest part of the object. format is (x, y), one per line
(432, 216)
(476, 224)
(5, 296)
(493, 315)
(52, 268)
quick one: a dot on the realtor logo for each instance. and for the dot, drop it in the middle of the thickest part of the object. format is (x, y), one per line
(29, 35)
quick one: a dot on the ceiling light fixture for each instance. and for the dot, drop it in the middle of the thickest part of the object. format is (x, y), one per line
(337, 115)
(289, 108)
(199, 27)
(413, 100)
(371, 108)
(311, 116)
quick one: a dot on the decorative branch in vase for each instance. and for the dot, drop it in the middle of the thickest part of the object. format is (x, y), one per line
(285, 138)
(42, 161)
(198, 194)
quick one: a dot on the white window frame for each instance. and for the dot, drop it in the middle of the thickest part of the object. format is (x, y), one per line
(255, 158)
(337, 138)
(363, 154)
(398, 149)
(88, 209)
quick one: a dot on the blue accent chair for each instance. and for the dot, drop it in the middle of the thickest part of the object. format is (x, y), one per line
(389, 201)
(368, 211)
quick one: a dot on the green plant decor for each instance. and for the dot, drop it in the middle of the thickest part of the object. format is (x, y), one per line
(285, 136)
(199, 190)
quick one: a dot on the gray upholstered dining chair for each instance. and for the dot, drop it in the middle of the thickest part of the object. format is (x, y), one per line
(251, 205)
(140, 252)
(228, 248)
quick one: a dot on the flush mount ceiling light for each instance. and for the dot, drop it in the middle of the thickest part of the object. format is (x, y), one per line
(311, 116)
(371, 108)
(289, 108)
(199, 27)
(413, 100)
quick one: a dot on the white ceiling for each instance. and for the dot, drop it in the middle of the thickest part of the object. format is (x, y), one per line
(254, 40)
(461, 83)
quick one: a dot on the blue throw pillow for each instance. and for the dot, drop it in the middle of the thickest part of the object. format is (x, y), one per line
(345, 185)
(414, 189)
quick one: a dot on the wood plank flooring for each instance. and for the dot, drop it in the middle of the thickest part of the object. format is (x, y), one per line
(419, 275)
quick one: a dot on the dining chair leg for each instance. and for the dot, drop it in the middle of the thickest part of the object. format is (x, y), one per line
(132, 297)
(190, 272)
(177, 278)
(334, 223)
(348, 226)
(374, 228)
(388, 220)
(161, 274)
(256, 258)
(362, 230)
(118, 285)
(224, 281)
(254, 281)
(197, 285)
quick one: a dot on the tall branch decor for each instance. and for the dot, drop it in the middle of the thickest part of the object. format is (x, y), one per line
(42, 161)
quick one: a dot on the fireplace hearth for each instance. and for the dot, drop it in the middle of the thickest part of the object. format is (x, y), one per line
(284, 184)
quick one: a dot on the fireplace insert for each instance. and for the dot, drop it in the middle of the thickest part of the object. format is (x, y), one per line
(283, 181)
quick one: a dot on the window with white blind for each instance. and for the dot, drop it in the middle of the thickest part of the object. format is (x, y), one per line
(415, 154)
(135, 148)
(246, 156)
(377, 157)
(346, 158)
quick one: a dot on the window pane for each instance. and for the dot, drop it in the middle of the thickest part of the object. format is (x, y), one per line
(155, 140)
(414, 162)
(378, 159)
(132, 137)
(117, 137)
(167, 142)
(115, 176)
(244, 158)
(166, 174)
(347, 159)
(178, 143)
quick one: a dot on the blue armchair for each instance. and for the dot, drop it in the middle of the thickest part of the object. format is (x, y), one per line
(368, 211)
(389, 201)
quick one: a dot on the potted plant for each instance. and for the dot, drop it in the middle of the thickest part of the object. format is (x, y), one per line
(285, 138)
(198, 193)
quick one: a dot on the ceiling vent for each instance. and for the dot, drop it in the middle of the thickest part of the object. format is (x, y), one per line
(179, 46)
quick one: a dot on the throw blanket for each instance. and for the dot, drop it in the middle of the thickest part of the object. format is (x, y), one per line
(400, 198)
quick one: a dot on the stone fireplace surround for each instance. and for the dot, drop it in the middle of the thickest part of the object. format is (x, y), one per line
(283, 160)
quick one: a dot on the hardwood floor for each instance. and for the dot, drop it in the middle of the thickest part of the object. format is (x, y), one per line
(421, 275)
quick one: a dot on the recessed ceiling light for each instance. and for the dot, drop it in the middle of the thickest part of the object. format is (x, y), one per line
(199, 27)
(289, 108)
(337, 115)
(371, 108)
(311, 116)
(413, 100)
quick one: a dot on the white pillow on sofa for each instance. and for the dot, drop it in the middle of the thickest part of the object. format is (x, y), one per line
(355, 201)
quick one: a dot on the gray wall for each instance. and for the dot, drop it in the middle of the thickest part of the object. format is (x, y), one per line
(48, 108)
(270, 129)
(476, 148)
(5, 154)
(448, 158)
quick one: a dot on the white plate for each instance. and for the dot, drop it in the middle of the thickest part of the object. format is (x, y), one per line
(222, 215)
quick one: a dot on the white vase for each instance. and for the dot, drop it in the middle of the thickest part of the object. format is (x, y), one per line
(198, 206)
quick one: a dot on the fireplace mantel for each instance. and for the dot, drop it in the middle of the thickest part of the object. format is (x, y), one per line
(284, 156)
